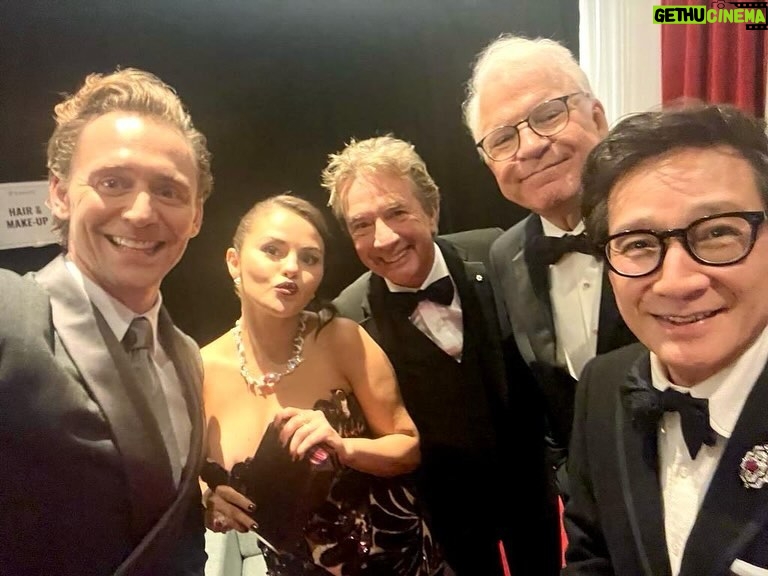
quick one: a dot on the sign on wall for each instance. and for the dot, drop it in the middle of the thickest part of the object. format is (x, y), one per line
(25, 220)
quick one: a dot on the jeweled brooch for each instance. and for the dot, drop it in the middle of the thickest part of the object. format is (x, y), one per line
(754, 467)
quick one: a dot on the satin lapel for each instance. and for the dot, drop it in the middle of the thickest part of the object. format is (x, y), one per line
(189, 370)
(368, 322)
(637, 454)
(532, 282)
(478, 312)
(612, 332)
(106, 373)
(731, 514)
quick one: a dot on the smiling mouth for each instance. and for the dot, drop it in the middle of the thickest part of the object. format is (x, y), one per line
(395, 259)
(148, 246)
(689, 319)
(542, 170)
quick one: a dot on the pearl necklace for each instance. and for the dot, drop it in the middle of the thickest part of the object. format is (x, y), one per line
(265, 384)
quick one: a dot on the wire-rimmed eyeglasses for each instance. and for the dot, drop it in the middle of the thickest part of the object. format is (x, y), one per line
(546, 119)
(716, 240)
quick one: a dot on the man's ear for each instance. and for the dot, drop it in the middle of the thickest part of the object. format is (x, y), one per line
(58, 198)
(598, 117)
(434, 220)
(197, 222)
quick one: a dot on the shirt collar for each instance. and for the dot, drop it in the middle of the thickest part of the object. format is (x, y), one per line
(117, 315)
(439, 270)
(727, 391)
(552, 230)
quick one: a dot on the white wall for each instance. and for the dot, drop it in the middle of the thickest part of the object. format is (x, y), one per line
(620, 50)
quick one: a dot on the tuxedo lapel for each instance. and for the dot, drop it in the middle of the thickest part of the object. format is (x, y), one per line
(189, 372)
(531, 285)
(612, 332)
(105, 370)
(637, 455)
(731, 514)
(478, 314)
(377, 318)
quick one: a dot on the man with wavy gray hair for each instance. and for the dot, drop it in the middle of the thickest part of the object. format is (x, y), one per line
(101, 428)
(428, 304)
(531, 111)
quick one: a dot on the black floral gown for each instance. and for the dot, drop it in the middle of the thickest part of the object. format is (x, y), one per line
(360, 525)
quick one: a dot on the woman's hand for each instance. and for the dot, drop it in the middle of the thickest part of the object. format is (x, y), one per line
(227, 509)
(301, 430)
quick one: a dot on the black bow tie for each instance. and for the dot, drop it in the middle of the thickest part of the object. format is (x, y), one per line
(647, 405)
(694, 418)
(440, 292)
(549, 249)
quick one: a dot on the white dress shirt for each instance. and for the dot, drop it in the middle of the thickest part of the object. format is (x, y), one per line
(441, 324)
(685, 481)
(575, 288)
(118, 317)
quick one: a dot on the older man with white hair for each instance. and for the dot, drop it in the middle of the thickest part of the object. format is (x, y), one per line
(532, 114)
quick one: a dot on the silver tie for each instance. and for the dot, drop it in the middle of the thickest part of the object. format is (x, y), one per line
(138, 343)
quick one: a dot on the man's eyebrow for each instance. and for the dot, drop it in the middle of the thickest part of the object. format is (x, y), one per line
(394, 205)
(358, 218)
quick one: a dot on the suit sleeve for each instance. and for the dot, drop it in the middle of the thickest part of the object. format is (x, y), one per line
(587, 552)
(190, 550)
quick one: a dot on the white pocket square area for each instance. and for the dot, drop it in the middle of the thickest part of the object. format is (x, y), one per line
(741, 568)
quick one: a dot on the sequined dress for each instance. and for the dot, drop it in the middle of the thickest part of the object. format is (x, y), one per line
(362, 524)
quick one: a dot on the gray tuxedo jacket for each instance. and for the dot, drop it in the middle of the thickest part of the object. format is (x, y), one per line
(86, 485)
(614, 518)
(522, 288)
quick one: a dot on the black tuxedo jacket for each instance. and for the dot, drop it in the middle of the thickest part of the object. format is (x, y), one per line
(86, 486)
(523, 290)
(614, 518)
(524, 517)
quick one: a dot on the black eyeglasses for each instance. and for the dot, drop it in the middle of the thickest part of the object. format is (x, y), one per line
(546, 119)
(716, 240)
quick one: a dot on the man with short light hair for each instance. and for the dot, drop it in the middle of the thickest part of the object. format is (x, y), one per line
(101, 427)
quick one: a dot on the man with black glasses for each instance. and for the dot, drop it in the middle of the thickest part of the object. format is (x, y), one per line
(669, 455)
(531, 112)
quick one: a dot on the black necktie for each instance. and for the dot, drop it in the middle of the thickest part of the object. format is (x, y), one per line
(647, 404)
(548, 250)
(138, 343)
(440, 292)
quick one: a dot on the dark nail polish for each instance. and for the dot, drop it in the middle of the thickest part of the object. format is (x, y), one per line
(254, 526)
(251, 507)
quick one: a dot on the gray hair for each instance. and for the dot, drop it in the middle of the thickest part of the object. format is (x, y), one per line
(512, 52)
(385, 154)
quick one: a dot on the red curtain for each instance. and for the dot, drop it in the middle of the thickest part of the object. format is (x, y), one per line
(714, 62)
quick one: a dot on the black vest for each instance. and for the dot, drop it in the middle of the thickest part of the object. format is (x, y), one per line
(458, 408)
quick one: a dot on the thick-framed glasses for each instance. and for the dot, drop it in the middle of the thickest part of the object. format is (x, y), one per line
(716, 240)
(547, 119)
